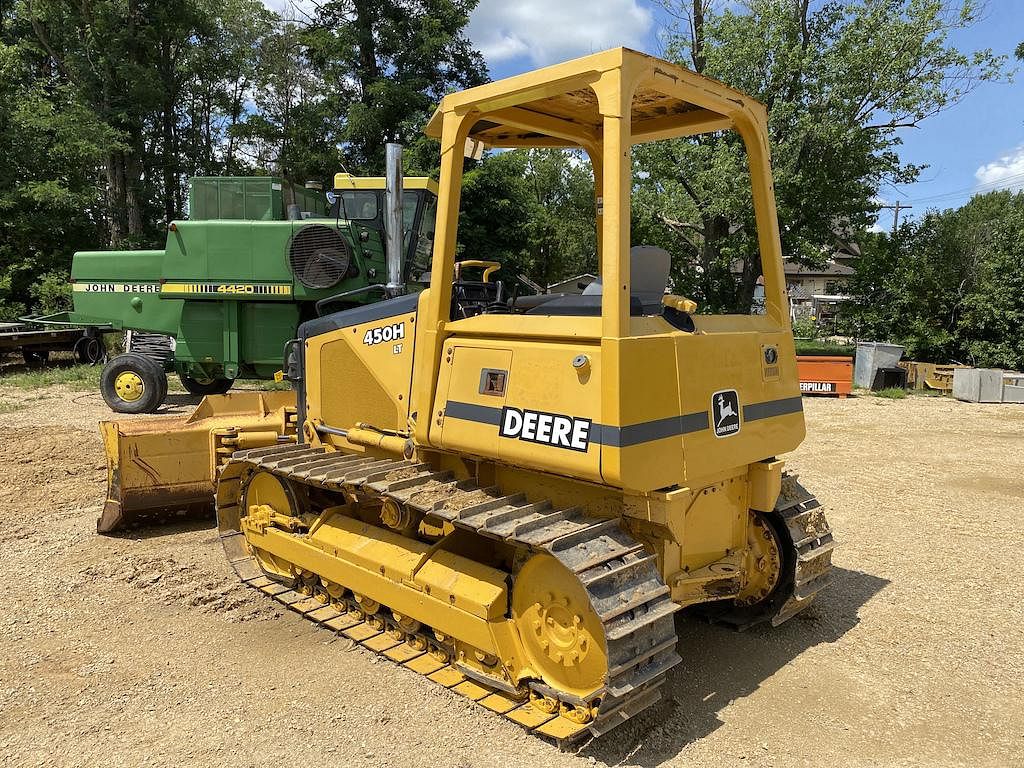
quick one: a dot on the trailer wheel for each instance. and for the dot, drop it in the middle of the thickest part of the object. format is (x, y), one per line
(133, 383)
(89, 350)
(203, 386)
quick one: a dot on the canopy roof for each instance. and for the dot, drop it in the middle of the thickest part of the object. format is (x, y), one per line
(556, 107)
(348, 181)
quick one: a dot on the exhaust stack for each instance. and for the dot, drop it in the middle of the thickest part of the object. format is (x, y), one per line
(394, 218)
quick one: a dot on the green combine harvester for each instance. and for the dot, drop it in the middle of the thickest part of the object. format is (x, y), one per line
(256, 257)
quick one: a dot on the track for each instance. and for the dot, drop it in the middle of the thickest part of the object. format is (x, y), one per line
(806, 539)
(620, 578)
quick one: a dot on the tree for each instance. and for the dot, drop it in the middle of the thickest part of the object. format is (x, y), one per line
(49, 199)
(839, 80)
(292, 131)
(110, 105)
(949, 286)
(532, 210)
(386, 64)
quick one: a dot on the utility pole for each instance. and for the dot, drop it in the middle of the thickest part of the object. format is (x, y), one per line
(896, 214)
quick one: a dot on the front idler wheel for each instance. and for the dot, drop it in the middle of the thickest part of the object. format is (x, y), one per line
(562, 635)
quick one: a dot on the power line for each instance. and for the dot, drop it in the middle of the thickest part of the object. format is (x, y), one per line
(978, 189)
(896, 214)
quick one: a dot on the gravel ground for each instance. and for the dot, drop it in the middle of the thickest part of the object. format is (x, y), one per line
(142, 650)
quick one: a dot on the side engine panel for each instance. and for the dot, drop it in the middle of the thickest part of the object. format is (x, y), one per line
(357, 367)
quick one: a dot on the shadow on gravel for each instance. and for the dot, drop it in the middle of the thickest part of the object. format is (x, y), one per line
(184, 524)
(720, 665)
(177, 400)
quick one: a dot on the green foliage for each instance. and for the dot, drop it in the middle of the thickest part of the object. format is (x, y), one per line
(52, 143)
(385, 65)
(891, 393)
(805, 328)
(949, 287)
(823, 347)
(532, 210)
(839, 80)
(109, 106)
(52, 293)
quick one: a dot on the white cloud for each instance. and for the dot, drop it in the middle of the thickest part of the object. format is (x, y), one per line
(298, 9)
(547, 32)
(1005, 173)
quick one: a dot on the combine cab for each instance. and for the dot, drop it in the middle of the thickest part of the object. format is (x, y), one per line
(514, 498)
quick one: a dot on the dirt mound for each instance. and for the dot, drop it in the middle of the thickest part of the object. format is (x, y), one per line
(169, 582)
(44, 468)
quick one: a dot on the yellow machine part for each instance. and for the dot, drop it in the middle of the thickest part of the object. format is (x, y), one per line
(162, 467)
(524, 499)
(441, 589)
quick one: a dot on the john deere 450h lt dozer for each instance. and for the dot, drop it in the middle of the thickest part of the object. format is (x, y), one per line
(513, 498)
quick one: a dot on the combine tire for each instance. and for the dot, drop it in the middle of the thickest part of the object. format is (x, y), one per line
(204, 386)
(133, 383)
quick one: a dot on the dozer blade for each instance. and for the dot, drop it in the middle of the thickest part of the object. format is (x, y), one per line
(164, 468)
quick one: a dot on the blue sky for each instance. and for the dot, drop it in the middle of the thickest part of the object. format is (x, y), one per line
(977, 144)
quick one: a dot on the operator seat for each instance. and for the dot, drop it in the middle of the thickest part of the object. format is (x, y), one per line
(648, 275)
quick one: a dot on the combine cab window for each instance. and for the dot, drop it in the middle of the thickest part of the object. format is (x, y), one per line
(423, 244)
(358, 205)
(409, 202)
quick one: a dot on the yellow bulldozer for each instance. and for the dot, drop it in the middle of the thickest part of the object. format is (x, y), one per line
(514, 496)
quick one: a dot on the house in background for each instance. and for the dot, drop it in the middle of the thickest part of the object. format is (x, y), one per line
(572, 284)
(813, 291)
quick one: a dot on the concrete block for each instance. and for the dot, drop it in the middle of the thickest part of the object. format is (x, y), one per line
(985, 385)
(1013, 394)
(966, 384)
(990, 383)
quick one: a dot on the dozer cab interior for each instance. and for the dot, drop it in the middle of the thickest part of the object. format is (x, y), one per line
(514, 498)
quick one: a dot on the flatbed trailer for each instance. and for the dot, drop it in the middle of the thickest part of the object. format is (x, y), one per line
(37, 337)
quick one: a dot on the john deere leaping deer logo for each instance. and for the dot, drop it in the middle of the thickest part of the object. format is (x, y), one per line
(725, 412)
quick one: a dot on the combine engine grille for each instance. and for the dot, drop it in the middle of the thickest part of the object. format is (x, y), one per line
(319, 257)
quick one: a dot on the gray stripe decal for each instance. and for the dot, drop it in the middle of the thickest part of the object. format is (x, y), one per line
(635, 434)
(645, 432)
(773, 408)
(619, 437)
(482, 414)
